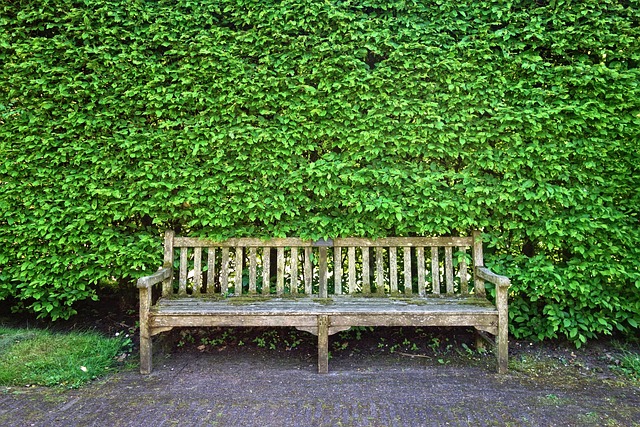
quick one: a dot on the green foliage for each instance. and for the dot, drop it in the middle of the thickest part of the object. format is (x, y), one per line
(326, 118)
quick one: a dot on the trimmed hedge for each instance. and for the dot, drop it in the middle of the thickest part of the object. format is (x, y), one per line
(325, 118)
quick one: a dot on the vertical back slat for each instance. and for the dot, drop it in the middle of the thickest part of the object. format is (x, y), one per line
(393, 270)
(322, 265)
(352, 270)
(435, 270)
(167, 285)
(407, 270)
(211, 270)
(379, 271)
(337, 270)
(308, 284)
(266, 270)
(197, 270)
(464, 279)
(478, 261)
(253, 271)
(280, 272)
(224, 271)
(238, 264)
(182, 282)
(448, 268)
(366, 283)
(294, 271)
(421, 271)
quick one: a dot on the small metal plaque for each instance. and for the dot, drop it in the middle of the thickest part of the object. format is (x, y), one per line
(323, 243)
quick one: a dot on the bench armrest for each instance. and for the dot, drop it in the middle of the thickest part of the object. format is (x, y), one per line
(490, 276)
(147, 281)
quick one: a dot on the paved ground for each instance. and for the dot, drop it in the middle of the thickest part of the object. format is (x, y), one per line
(261, 388)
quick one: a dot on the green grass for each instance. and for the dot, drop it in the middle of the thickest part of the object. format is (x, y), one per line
(628, 362)
(44, 358)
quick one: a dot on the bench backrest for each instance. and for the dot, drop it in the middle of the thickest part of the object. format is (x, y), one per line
(289, 267)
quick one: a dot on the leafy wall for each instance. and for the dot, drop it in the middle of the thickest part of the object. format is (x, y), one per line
(325, 118)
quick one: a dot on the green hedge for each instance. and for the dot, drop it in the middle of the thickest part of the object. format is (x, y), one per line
(325, 118)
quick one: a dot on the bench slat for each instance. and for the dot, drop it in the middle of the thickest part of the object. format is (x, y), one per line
(344, 305)
(224, 271)
(197, 270)
(294, 271)
(323, 272)
(448, 268)
(337, 270)
(379, 271)
(266, 270)
(280, 271)
(421, 271)
(239, 258)
(182, 282)
(366, 284)
(308, 270)
(393, 270)
(352, 270)
(253, 271)
(406, 251)
(435, 271)
(211, 270)
(463, 271)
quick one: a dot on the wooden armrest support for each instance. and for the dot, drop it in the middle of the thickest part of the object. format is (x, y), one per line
(490, 276)
(147, 281)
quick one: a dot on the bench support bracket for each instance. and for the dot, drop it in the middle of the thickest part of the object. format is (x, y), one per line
(158, 330)
(313, 330)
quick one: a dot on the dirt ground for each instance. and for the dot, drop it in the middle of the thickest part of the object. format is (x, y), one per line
(378, 377)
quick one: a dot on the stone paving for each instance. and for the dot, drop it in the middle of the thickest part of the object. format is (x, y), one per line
(192, 389)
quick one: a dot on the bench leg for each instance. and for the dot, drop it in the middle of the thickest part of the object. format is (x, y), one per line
(503, 329)
(481, 341)
(145, 331)
(503, 348)
(500, 345)
(323, 344)
(145, 351)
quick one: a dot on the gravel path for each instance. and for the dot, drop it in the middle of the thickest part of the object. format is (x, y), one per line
(245, 388)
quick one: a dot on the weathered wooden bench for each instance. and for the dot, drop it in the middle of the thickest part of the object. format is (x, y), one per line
(322, 287)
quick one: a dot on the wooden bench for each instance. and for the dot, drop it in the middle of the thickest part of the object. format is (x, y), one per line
(322, 287)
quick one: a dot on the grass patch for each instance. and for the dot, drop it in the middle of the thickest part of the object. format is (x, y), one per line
(535, 365)
(627, 362)
(630, 364)
(44, 358)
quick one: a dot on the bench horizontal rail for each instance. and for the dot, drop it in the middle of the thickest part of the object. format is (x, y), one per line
(213, 320)
(248, 242)
(482, 321)
(405, 242)
(195, 242)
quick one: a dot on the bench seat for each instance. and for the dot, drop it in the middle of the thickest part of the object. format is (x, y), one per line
(298, 311)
